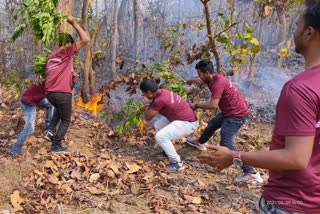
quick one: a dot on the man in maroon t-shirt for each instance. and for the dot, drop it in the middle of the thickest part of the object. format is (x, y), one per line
(294, 156)
(32, 97)
(176, 120)
(234, 113)
(58, 88)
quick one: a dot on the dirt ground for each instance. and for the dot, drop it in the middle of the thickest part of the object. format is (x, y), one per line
(138, 184)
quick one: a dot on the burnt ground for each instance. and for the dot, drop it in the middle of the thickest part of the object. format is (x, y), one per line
(105, 172)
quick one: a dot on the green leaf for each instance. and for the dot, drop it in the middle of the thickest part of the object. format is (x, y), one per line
(249, 30)
(253, 41)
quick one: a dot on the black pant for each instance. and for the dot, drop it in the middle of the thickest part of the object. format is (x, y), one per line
(63, 106)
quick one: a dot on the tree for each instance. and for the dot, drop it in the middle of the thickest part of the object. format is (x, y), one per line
(88, 73)
(210, 36)
(114, 40)
(136, 31)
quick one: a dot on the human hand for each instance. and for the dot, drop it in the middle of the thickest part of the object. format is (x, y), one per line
(74, 76)
(144, 108)
(189, 81)
(71, 20)
(145, 100)
(193, 106)
(221, 158)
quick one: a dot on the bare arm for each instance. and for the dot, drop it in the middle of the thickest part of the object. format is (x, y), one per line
(213, 104)
(84, 38)
(196, 81)
(149, 114)
(294, 156)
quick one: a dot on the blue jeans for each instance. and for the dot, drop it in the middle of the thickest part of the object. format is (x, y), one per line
(229, 129)
(29, 113)
(49, 111)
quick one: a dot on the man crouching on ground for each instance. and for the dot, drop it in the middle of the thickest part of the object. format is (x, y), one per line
(177, 119)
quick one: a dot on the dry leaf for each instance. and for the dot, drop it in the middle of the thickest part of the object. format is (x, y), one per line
(53, 179)
(201, 183)
(96, 124)
(243, 210)
(94, 177)
(148, 175)
(76, 173)
(133, 168)
(16, 201)
(43, 151)
(114, 166)
(194, 200)
(94, 190)
(71, 143)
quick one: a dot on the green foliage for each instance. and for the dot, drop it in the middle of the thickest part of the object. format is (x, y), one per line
(130, 114)
(238, 48)
(12, 78)
(39, 64)
(172, 81)
(41, 17)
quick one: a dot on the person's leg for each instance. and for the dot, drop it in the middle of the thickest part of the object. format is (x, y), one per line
(175, 130)
(63, 107)
(49, 112)
(161, 122)
(30, 117)
(212, 126)
(229, 129)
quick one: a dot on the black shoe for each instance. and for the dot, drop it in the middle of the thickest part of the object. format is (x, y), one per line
(48, 135)
(58, 149)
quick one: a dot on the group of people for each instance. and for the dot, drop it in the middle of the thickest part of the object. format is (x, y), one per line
(54, 94)
(293, 160)
(178, 119)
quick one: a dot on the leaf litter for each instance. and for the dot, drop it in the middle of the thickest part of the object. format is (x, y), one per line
(105, 172)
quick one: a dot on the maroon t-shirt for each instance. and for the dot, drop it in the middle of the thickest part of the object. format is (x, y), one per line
(33, 95)
(297, 114)
(231, 103)
(172, 106)
(58, 70)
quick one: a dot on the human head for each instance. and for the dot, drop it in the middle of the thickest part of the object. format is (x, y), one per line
(69, 39)
(205, 70)
(149, 88)
(307, 27)
(204, 66)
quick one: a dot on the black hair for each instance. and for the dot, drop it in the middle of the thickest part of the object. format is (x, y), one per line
(205, 65)
(312, 14)
(149, 85)
(69, 38)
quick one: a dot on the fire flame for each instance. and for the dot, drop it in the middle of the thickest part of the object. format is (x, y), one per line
(92, 105)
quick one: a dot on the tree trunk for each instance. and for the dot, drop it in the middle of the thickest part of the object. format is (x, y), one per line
(114, 40)
(211, 38)
(92, 74)
(283, 35)
(255, 55)
(136, 31)
(121, 24)
(88, 58)
(64, 7)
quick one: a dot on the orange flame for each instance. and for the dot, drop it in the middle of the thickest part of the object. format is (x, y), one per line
(92, 105)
